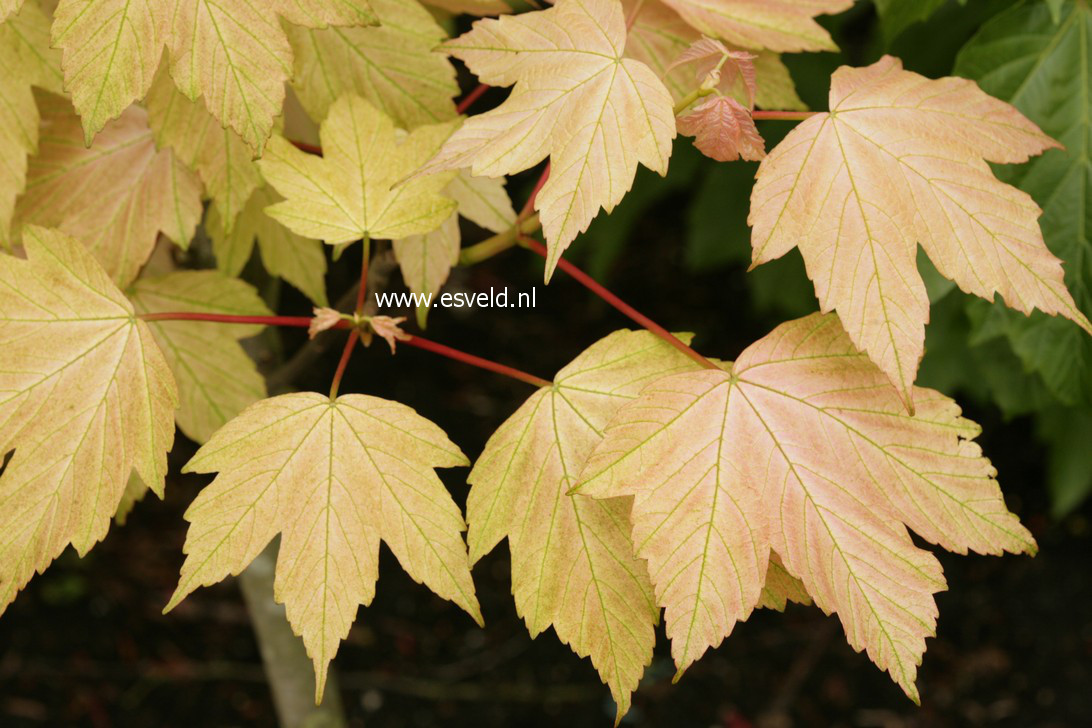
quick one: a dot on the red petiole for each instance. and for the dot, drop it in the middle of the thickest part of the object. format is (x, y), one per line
(598, 289)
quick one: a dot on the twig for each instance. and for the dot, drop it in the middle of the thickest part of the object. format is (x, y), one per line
(598, 289)
(471, 97)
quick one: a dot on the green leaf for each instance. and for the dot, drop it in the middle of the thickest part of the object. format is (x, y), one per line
(298, 260)
(218, 155)
(333, 478)
(897, 15)
(353, 190)
(1066, 433)
(86, 399)
(216, 378)
(573, 566)
(1045, 70)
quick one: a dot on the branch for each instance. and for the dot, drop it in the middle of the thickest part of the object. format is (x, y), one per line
(598, 289)
(287, 666)
(783, 115)
(500, 242)
(471, 97)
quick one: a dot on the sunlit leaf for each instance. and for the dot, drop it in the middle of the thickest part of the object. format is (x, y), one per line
(86, 400)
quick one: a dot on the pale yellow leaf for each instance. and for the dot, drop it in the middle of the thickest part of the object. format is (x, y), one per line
(86, 399)
(801, 446)
(776, 89)
(596, 114)
(234, 53)
(333, 478)
(472, 7)
(110, 52)
(117, 195)
(347, 193)
(394, 65)
(786, 26)
(135, 490)
(482, 200)
(216, 378)
(298, 260)
(220, 157)
(901, 161)
(25, 60)
(426, 260)
(9, 7)
(781, 587)
(320, 13)
(573, 565)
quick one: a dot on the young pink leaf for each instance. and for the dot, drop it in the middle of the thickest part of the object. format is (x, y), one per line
(724, 130)
(324, 319)
(389, 329)
(715, 62)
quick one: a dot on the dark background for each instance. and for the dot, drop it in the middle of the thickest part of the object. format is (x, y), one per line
(85, 643)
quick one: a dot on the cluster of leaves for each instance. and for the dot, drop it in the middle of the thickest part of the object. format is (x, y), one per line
(640, 479)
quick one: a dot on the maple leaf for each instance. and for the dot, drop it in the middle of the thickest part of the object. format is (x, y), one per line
(347, 194)
(786, 26)
(298, 260)
(26, 60)
(8, 8)
(86, 399)
(333, 478)
(658, 36)
(216, 378)
(573, 565)
(393, 65)
(723, 130)
(720, 67)
(387, 328)
(218, 155)
(780, 587)
(323, 319)
(800, 446)
(117, 195)
(901, 160)
(426, 260)
(234, 53)
(576, 99)
(472, 7)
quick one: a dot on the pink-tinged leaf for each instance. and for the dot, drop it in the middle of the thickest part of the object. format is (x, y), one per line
(899, 161)
(712, 58)
(724, 130)
(802, 449)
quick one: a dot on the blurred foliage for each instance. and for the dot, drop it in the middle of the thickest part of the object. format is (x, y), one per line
(1032, 53)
